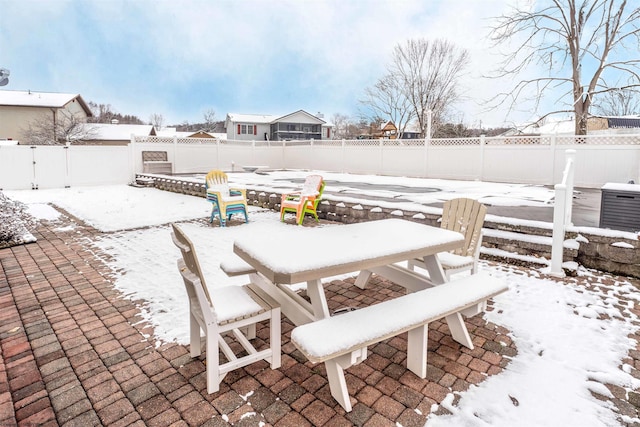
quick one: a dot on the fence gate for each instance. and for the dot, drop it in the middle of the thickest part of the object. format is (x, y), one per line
(50, 166)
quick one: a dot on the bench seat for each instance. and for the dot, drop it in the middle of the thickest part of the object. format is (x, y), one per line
(233, 265)
(341, 341)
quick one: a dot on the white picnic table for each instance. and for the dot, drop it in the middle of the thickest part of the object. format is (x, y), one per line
(312, 254)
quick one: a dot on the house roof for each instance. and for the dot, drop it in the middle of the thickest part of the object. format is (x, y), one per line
(111, 132)
(311, 116)
(19, 98)
(251, 118)
(624, 122)
(268, 118)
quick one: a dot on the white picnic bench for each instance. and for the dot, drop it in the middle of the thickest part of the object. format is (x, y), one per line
(312, 254)
(341, 341)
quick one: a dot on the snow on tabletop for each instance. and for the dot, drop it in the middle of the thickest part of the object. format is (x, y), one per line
(339, 333)
(298, 249)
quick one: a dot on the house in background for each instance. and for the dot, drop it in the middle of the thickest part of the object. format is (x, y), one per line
(112, 133)
(20, 108)
(411, 131)
(387, 131)
(171, 132)
(299, 125)
(596, 125)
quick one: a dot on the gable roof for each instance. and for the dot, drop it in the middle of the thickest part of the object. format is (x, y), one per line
(311, 116)
(251, 118)
(268, 118)
(20, 98)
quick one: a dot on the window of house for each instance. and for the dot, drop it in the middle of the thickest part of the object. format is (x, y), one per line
(247, 129)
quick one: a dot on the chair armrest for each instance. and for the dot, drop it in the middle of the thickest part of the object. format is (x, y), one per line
(238, 192)
(291, 196)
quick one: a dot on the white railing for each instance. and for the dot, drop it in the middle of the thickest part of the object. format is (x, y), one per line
(562, 211)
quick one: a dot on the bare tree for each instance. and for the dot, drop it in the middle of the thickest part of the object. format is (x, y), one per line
(623, 102)
(423, 76)
(210, 122)
(59, 128)
(387, 100)
(340, 125)
(579, 43)
(157, 120)
(430, 72)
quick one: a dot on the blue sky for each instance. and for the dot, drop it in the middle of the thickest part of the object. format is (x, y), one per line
(182, 58)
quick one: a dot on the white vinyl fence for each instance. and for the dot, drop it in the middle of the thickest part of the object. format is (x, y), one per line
(528, 160)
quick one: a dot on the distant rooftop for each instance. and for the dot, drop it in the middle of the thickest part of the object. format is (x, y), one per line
(29, 98)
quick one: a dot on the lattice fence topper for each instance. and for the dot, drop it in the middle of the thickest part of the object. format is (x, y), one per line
(455, 141)
(545, 140)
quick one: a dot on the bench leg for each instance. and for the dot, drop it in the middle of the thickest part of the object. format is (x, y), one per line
(338, 384)
(481, 307)
(459, 330)
(335, 373)
(417, 350)
(363, 278)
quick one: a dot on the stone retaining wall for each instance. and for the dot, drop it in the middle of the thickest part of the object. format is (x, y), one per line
(611, 254)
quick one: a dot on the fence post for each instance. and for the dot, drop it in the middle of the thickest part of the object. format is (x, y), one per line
(343, 156)
(570, 158)
(174, 167)
(381, 166)
(482, 143)
(284, 166)
(557, 245)
(553, 148)
(67, 172)
(132, 159)
(562, 209)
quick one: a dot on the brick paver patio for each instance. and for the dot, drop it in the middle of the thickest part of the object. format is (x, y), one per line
(75, 352)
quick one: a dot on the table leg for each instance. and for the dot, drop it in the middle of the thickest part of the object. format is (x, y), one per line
(318, 299)
(436, 273)
(363, 278)
(292, 309)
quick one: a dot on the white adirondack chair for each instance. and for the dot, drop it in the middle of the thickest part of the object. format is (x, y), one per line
(466, 216)
(231, 310)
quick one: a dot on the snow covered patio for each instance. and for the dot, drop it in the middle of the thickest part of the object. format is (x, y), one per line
(94, 326)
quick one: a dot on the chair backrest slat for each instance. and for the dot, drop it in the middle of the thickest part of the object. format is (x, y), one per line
(467, 217)
(216, 178)
(189, 256)
(312, 184)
